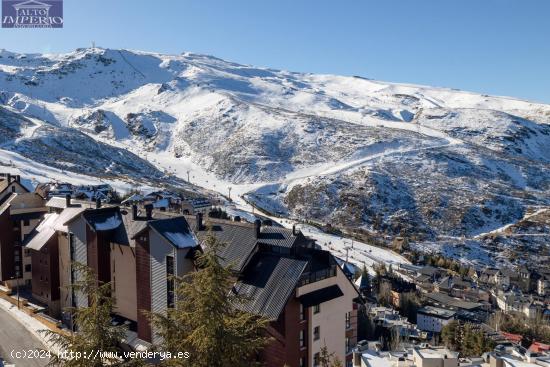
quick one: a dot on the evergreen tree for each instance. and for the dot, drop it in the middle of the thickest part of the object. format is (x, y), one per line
(93, 324)
(205, 321)
(384, 294)
(327, 359)
(409, 304)
(450, 335)
(465, 339)
(365, 286)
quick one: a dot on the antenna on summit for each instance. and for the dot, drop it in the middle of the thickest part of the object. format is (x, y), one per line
(93, 44)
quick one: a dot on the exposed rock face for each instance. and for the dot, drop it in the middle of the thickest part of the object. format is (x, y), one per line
(396, 159)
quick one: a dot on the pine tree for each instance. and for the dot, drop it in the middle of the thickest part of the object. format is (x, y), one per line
(327, 359)
(365, 286)
(450, 335)
(94, 329)
(205, 321)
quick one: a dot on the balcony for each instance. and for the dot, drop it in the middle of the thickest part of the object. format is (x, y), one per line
(312, 277)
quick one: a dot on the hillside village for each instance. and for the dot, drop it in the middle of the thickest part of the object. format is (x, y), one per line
(433, 311)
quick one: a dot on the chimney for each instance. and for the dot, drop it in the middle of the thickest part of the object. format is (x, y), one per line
(257, 227)
(134, 212)
(68, 200)
(17, 178)
(495, 361)
(97, 203)
(199, 221)
(8, 177)
(294, 230)
(149, 211)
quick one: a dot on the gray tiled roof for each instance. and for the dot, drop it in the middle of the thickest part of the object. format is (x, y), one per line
(98, 217)
(131, 226)
(278, 236)
(267, 284)
(239, 240)
(42, 233)
(6, 202)
(176, 231)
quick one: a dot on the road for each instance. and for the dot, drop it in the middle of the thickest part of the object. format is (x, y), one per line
(15, 337)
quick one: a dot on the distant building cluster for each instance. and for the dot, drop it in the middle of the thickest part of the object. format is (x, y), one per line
(311, 298)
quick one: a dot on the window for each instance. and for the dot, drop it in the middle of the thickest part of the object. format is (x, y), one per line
(303, 312)
(316, 308)
(71, 245)
(316, 333)
(348, 320)
(170, 281)
(302, 338)
(26, 223)
(316, 360)
(13, 189)
(348, 345)
(302, 362)
(28, 268)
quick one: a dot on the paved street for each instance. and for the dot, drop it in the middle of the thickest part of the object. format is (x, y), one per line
(14, 336)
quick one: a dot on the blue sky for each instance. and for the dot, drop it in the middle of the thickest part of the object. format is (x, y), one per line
(498, 47)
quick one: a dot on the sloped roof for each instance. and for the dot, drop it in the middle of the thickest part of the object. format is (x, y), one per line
(131, 226)
(4, 184)
(162, 203)
(176, 231)
(42, 233)
(41, 238)
(6, 203)
(104, 219)
(132, 199)
(239, 239)
(267, 284)
(67, 215)
(279, 236)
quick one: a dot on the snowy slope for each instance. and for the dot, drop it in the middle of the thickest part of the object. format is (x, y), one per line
(392, 158)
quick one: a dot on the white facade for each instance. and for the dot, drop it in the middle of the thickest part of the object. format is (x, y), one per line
(331, 317)
(433, 319)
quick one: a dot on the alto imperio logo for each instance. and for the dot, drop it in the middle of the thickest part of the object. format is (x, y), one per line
(32, 14)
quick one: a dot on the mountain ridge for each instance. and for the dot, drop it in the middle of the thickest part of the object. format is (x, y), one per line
(388, 157)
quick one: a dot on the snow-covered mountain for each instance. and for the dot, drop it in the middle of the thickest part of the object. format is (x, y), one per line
(393, 158)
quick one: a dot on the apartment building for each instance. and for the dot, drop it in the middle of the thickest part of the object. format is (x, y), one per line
(301, 289)
(112, 242)
(279, 272)
(433, 319)
(20, 212)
